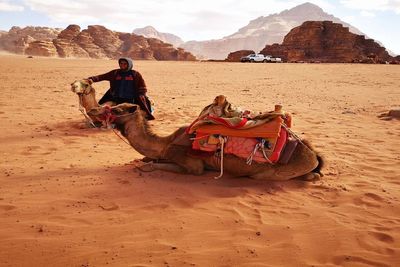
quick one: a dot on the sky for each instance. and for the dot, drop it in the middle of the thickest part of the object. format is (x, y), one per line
(196, 20)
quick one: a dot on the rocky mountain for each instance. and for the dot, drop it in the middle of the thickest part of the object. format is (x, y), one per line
(94, 42)
(17, 39)
(261, 31)
(326, 41)
(151, 32)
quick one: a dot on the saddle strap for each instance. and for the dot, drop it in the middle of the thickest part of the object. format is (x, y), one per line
(222, 141)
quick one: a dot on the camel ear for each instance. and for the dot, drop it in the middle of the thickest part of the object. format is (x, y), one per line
(133, 108)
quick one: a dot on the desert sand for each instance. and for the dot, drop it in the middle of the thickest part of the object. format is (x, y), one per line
(70, 195)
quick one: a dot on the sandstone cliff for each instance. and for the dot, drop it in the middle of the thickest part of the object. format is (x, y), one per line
(17, 39)
(325, 41)
(94, 42)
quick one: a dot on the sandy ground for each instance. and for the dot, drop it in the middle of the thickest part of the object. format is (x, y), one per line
(70, 195)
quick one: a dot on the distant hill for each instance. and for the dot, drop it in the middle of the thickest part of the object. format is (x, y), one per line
(94, 42)
(262, 31)
(151, 32)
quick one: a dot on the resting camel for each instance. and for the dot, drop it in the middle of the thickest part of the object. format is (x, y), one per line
(305, 163)
(87, 99)
(391, 114)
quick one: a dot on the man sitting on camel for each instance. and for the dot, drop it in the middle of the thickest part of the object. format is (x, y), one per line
(126, 86)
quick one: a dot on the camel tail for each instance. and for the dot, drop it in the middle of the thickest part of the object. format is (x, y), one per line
(320, 158)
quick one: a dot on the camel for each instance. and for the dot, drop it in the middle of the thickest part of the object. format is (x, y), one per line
(305, 163)
(391, 114)
(87, 99)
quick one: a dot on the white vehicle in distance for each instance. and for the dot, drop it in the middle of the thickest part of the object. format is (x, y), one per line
(276, 60)
(261, 58)
(255, 58)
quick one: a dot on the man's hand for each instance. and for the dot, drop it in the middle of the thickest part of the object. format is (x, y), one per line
(90, 81)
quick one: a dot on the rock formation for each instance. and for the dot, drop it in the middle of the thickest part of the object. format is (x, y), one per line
(261, 31)
(94, 42)
(325, 41)
(151, 32)
(235, 56)
(17, 39)
(41, 48)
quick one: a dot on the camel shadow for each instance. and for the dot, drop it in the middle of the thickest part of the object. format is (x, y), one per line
(121, 184)
(75, 128)
(227, 186)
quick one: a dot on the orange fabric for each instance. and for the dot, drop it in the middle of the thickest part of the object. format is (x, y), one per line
(268, 130)
(201, 143)
(280, 143)
(288, 120)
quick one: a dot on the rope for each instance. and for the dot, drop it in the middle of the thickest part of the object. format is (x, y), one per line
(292, 133)
(258, 146)
(250, 157)
(109, 118)
(222, 142)
(263, 151)
(120, 137)
(83, 110)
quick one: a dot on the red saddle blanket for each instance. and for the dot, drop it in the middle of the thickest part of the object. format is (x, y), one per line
(245, 147)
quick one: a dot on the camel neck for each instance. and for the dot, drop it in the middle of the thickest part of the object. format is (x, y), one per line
(143, 140)
(88, 101)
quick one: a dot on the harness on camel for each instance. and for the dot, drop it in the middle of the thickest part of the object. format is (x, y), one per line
(222, 129)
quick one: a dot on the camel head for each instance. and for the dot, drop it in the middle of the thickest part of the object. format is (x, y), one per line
(81, 87)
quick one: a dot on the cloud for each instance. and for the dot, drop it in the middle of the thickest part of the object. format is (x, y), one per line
(373, 5)
(193, 19)
(8, 7)
(204, 19)
(367, 14)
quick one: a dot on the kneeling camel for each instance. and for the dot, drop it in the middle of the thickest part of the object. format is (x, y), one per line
(87, 99)
(305, 163)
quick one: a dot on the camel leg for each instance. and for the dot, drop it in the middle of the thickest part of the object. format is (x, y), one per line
(170, 167)
(177, 154)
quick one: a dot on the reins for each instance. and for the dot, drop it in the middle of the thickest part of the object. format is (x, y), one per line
(110, 118)
(83, 110)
